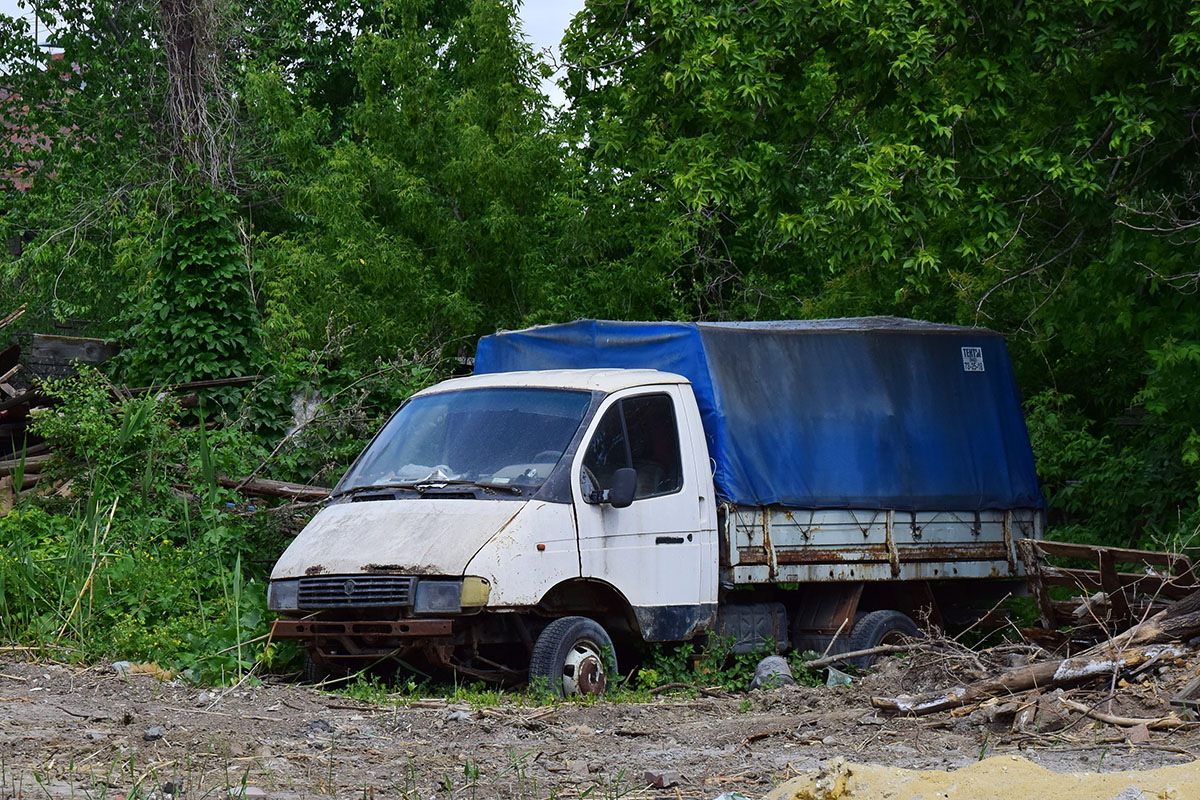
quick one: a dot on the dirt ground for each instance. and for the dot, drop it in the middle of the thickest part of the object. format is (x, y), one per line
(93, 733)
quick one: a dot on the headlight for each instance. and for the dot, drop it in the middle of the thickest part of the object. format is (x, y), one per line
(451, 596)
(438, 597)
(283, 595)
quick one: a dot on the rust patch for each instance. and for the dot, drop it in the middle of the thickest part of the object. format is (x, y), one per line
(316, 569)
(394, 569)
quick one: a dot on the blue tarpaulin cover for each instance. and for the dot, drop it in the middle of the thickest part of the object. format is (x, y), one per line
(870, 412)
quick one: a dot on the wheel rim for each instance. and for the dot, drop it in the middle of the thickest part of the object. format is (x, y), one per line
(583, 669)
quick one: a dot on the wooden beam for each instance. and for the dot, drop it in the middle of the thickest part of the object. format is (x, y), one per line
(1120, 555)
(261, 487)
(9, 467)
(45, 348)
(13, 317)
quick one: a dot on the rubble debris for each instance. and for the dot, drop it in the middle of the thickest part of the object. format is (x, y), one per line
(1151, 641)
(771, 673)
(660, 779)
(153, 734)
(1117, 598)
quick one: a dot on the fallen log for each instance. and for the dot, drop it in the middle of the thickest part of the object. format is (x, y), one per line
(262, 487)
(9, 467)
(1045, 675)
(1179, 621)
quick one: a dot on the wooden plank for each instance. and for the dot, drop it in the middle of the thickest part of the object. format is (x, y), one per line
(45, 348)
(1121, 555)
(13, 317)
(26, 398)
(1117, 602)
(1088, 580)
(9, 467)
(1037, 581)
(1189, 696)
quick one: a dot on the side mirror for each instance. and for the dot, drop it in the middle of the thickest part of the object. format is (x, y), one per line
(624, 485)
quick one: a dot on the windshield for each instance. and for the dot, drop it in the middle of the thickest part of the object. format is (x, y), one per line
(494, 436)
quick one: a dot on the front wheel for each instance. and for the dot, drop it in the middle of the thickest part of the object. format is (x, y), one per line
(573, 656)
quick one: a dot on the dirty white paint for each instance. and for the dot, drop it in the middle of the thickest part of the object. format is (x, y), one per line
(430, 537)
(656, 552)
(519, 572)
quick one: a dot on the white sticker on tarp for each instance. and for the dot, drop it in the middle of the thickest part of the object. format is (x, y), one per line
(972, 359)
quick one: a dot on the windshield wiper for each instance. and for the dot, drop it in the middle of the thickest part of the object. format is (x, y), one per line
(424, 486)
(374, 487)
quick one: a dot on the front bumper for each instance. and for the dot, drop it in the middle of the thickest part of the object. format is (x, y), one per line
(366, 630)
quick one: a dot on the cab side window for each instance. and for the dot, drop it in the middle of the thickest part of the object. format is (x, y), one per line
(638, 432)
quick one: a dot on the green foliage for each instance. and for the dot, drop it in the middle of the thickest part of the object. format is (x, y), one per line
(126, 566)
(1034, 170)
(193, 319)
(714, 664)
(419, 225)
(124, 447)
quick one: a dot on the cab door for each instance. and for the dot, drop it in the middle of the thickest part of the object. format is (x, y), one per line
(653, 550)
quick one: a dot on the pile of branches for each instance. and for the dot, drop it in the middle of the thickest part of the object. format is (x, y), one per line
(1169, 636)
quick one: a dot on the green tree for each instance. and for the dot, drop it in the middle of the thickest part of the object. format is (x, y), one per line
(1032, 168)
(419, 224)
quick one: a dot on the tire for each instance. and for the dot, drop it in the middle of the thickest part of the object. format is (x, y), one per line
(817, 643)
(876, 628)
(573, 656)
(313, 673)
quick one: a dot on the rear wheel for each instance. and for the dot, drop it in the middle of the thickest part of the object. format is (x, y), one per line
(573, 656)
(876, 628)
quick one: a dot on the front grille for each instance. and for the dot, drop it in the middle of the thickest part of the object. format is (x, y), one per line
(342, 591)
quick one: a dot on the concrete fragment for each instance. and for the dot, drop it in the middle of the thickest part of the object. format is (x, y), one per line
(153, 734)
(1139, 734)
(1050, 718)
(1024, 721)
(660, 779)
(771, 673)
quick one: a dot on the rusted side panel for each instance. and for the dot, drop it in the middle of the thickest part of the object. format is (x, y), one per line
(765, 545)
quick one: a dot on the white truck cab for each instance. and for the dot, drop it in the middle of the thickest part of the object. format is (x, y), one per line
(528, 524)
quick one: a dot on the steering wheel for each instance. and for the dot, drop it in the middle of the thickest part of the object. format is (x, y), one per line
(547, 456)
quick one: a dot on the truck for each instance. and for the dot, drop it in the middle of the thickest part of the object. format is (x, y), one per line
(596, 486)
